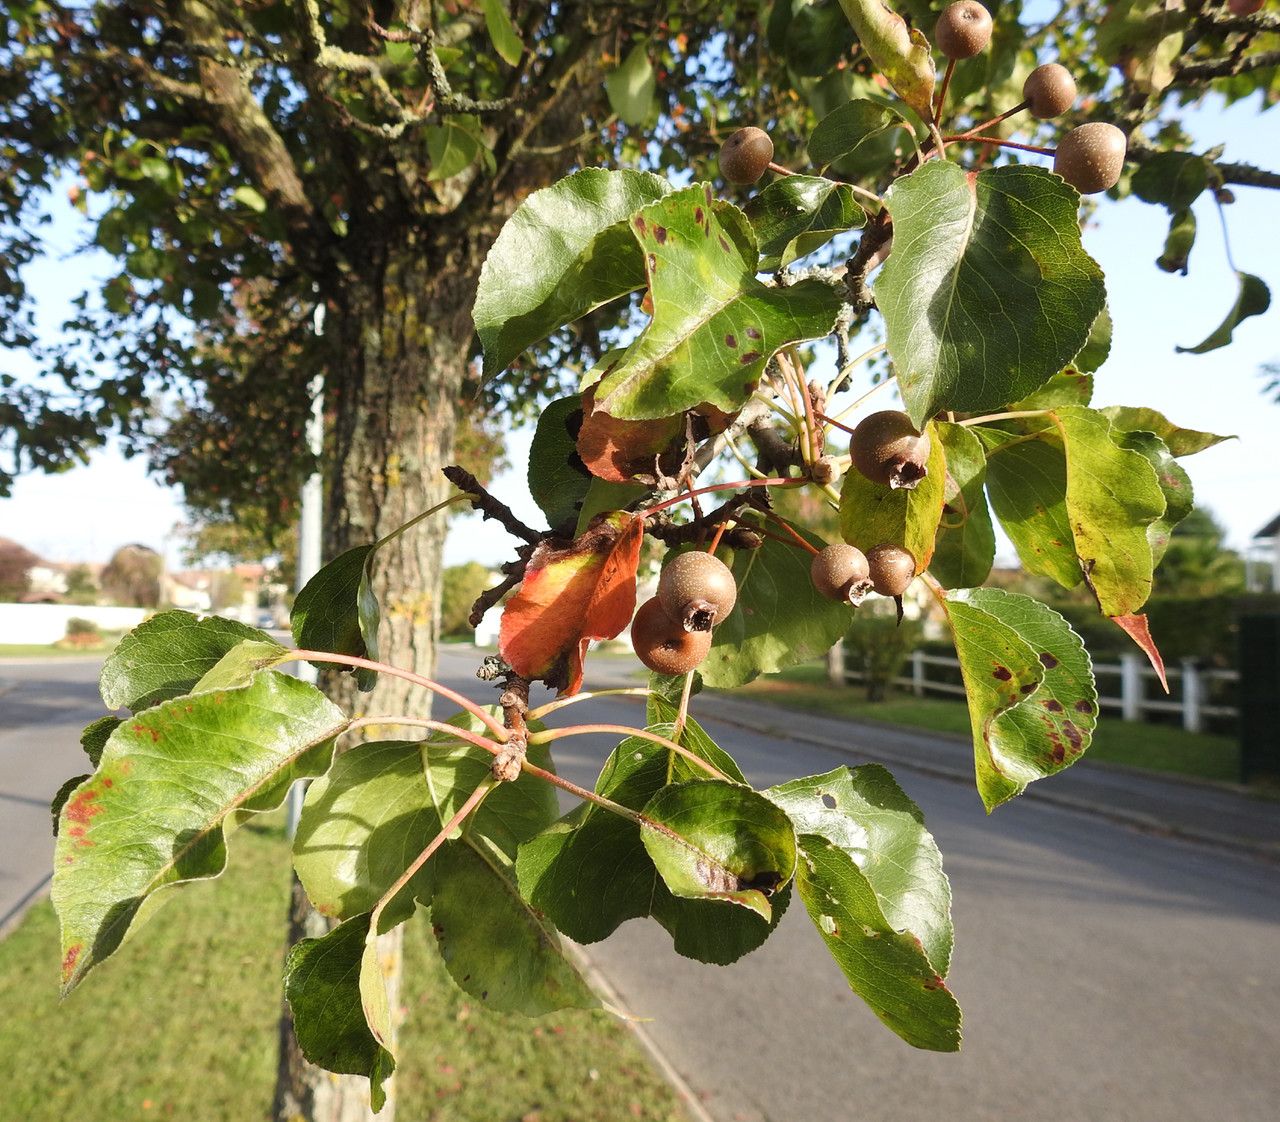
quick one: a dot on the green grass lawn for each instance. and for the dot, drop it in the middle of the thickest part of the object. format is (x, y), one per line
(39, 650)
(1154, 747)
(181, 1023)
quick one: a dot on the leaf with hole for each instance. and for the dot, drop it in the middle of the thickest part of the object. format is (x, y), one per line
(864, 813)
(886, 968)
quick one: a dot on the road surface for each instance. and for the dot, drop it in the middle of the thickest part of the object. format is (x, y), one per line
(1105, 973)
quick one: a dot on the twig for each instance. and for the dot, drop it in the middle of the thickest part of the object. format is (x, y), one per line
(301, 655)
(490, 507)
(1227, 67)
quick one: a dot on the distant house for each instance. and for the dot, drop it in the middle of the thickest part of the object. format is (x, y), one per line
(1262, 559)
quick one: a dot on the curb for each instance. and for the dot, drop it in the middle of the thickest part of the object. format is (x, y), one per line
(689, 1099)
(1144, 822)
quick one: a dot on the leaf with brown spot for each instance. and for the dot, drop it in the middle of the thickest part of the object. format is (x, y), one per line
(572, 593)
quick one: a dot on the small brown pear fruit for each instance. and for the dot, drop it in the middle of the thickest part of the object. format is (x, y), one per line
(697, 590)
(1049, 91)
(887, 449)
(891, 568)
(745, 155)
(1090, 157)
(662, 644)
(840, 572)
(963, 29)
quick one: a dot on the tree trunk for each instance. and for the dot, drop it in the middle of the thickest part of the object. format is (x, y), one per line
(400, 335)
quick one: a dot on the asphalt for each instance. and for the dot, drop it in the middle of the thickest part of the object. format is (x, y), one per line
(1111, 965)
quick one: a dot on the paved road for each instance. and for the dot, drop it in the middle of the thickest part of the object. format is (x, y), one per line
(1106, 974)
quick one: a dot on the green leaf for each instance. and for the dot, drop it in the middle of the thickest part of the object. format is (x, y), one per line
(590, 871)
(1032, 699)
(817, 38)
(1253, 300)
(383, 801)
(662, 710)
(496, 946)
(965, 547)
(988, 292)
(712, 840)
(1179, 441)
(797, 214)
(558, 479)
(1174, 482)
(1068, 387)
(166, 655)
(1027, 482)
(250, 197)
(326, 614)
(887, 969)
(864, 813)
(1173, 179)
(714, 325)
(631, 88)
(603, 496)
(95, 736)
(451, 148)
(846, 129)
(1112, 495)
(240, 664)
(1179, 242)
(502, 32)
(1096, 348)
(779, 619)
(153, 812)
(565, 251)
(900, 53)
(324, 982)
(872, 514)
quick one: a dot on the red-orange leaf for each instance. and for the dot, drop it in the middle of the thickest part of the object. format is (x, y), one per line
(572, 592)
(1137, 630)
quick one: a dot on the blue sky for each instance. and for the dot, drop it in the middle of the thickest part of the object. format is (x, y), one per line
(86, 513)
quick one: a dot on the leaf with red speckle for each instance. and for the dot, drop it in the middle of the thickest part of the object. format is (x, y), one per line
(1032, 699)
(153, 813)
(888, 969)
(714, 325)
(1135, 626)
(572, 593)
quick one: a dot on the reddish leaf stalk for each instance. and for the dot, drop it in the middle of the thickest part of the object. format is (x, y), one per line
(582, 730)
(997, 142)
(470, 706)
(426, 723)
(768, 481)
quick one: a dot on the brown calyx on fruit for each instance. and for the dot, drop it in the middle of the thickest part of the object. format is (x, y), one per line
(963, 29)
(1049, 91)
(662, 644)
(891, 569)
(887, 449)
(697, 590)
(841, 572)
(1091, 156)
(745, 155)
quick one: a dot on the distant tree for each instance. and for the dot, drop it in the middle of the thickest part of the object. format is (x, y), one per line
(15, 568)
(1197, 563)
(462, 584)
(81, 587)
(132, 576)
(227, 591)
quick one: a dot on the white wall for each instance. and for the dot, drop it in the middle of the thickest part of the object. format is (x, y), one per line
(47, 623)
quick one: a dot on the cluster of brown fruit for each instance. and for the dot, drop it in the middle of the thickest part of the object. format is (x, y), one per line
(1090, 157)
(671, 633)
(887, 449)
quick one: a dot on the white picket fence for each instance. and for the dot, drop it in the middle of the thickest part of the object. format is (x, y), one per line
(1189, 685)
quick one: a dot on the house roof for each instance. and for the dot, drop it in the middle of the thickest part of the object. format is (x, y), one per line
(1270, 530)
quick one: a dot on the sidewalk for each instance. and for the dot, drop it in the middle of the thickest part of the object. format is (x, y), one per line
(1212, 813)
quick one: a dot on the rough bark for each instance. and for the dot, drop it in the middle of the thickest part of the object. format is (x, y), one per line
(400, 331)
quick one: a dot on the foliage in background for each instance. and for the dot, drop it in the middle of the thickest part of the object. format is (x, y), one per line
(132, 576)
